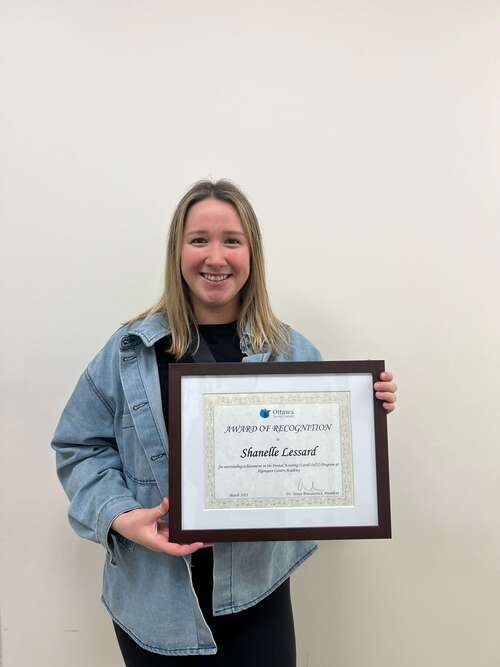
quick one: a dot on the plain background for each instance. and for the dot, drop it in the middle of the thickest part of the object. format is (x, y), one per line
(366, 135)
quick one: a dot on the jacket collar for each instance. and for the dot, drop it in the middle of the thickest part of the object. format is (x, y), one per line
(150, 331)
(156, 327)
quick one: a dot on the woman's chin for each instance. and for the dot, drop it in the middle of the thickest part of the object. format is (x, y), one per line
(226, 309)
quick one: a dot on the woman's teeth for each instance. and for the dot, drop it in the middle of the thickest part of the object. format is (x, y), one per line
(216, 277)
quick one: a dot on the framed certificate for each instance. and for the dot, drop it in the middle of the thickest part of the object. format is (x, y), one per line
(277, 451)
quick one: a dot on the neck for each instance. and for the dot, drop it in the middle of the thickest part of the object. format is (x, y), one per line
(223, 315)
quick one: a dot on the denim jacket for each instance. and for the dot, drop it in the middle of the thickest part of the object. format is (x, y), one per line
(112, 457)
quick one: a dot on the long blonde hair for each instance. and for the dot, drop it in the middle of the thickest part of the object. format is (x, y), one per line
(263, 328)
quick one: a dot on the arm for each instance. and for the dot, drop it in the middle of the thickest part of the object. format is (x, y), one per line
(88, 463)
(90, 469)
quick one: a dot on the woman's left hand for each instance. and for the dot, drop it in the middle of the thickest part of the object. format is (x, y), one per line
(385, 390)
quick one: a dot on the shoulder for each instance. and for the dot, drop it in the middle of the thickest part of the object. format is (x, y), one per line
(141, 331)
(103, 370)
(301, 348)
(108, 354)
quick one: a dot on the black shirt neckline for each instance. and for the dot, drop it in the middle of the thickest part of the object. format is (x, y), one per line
(226, 325)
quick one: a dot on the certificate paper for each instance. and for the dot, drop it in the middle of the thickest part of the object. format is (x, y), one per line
(271, 450)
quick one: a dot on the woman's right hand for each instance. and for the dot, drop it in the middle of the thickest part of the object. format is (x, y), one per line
(146, 527)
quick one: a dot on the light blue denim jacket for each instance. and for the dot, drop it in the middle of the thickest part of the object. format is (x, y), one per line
(112, 456)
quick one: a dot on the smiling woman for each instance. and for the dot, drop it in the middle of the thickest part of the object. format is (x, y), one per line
(215, 272)
(175, 603)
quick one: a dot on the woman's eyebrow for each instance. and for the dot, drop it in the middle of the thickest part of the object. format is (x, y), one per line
(224, 231)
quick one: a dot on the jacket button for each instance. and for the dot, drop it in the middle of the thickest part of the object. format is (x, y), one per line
(128, 341)
(125, 343)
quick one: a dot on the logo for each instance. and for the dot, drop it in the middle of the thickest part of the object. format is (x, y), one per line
(276, 413)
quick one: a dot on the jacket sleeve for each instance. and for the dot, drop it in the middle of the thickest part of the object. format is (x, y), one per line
(88, 463)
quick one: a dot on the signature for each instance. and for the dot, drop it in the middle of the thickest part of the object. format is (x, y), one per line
(302, 487)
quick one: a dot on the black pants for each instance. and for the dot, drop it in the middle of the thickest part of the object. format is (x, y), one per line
(261, 636)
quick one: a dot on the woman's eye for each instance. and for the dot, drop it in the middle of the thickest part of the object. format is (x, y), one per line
(201, 240)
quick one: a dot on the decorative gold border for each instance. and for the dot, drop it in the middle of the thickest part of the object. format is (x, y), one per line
(341, 398)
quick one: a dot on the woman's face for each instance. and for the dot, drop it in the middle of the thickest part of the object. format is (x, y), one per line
(215, 260)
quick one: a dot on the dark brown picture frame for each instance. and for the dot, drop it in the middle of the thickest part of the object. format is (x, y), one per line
(180, 535)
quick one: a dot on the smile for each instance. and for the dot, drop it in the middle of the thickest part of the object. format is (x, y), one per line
(215, 277)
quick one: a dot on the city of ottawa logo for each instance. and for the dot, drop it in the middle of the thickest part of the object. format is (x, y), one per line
(264, 413)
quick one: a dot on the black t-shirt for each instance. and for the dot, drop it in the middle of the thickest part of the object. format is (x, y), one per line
(224, 343)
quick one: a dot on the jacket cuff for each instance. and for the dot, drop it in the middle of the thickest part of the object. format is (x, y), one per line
(107, 514)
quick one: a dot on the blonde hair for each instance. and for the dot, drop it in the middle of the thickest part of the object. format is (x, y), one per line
(263, 328)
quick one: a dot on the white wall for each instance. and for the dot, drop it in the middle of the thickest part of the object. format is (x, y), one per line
(366, 135)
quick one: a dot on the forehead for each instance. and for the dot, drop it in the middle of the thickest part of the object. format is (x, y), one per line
(213, 212)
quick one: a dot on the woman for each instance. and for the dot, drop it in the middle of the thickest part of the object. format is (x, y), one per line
(181, 604)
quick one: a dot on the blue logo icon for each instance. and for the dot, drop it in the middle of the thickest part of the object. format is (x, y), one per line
(264, 413)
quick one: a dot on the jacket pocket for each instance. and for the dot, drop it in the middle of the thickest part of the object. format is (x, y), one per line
(135, 463)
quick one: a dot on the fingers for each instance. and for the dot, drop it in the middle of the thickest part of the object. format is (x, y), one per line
(197, 545)
(184, 549)
(387, 396)
(174, 549)
(385, 390)
(385, 383)
(161, 542)
(386, 386)
(189, 548)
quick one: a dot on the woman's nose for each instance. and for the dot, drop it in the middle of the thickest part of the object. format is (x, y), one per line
(215, 255)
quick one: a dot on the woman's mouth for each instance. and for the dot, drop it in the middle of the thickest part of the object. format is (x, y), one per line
(215, 277)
